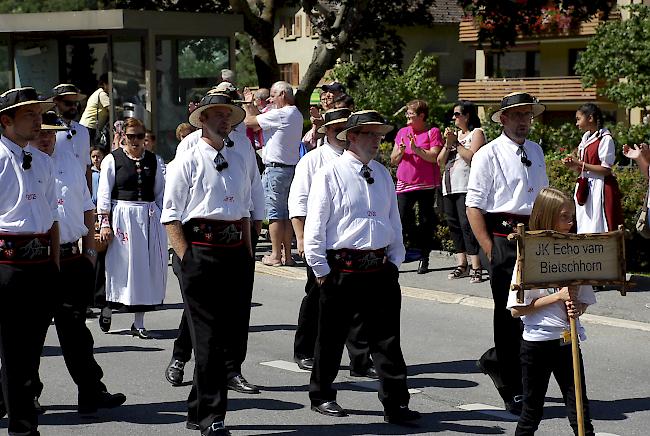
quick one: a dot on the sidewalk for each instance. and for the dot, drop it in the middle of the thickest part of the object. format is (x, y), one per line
(628, 311)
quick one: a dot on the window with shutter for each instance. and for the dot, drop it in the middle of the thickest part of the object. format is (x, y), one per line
(295, 74)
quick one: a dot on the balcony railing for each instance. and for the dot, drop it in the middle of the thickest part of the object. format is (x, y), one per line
(468, 30)
(546, 89)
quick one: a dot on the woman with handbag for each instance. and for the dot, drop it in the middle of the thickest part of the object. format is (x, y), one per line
(418, 176)
(597, 196)
(129, 202)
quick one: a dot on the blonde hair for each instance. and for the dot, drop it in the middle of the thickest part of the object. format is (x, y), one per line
(547, 207)
(134, 123)
(183, 130)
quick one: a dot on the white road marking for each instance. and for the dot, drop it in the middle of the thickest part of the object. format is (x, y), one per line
(606, 434)
(413, 391)
(283, 364)
(489, 410)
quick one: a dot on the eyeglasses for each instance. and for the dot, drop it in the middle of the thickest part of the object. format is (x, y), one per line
(220, 162)
(134, 136)
(374, 135)
(457, 114)
(365, 173)
(524, 156)
(71, 133)
(27, 160)
(69, 103)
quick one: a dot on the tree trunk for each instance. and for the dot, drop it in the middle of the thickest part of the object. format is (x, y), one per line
(325, 56)
(266, 64)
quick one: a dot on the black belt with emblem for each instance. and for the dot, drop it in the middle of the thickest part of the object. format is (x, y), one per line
(70, 250)
(350, 260)
(24, 248)
(213, 233)
(502, 224)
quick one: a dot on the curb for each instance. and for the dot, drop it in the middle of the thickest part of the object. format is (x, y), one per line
(454, 298)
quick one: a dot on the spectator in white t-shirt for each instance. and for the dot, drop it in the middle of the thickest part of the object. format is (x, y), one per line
(282, 128)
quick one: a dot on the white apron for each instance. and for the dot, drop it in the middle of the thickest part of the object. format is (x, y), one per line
(136, 259)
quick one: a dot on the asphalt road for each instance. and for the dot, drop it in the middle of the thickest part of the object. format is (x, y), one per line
(441, 341)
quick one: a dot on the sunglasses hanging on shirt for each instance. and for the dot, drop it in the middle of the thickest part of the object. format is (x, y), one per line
(27, 160)
(365, 173)
(220, 162)
(71, 133)
(524, 156)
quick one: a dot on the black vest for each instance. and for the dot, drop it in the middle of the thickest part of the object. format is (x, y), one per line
(126, 177)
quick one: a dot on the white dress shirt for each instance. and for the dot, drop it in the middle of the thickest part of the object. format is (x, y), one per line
(500, 183)
(283, 128)
(28, 200)
(305, 171)
(73, 196)
(345, 211)
(196, 189)
(107, 181)
(78, 144)
(244, 148)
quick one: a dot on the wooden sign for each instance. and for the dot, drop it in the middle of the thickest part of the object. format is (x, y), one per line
(548, 259)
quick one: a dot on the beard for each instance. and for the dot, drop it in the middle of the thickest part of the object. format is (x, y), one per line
(70, 114)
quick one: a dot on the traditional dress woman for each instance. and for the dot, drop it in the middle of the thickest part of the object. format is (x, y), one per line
(129, 200)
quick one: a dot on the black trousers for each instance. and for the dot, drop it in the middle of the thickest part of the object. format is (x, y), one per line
(376, 296)
(212, 283)
(26, 293)
(420, 235)
(307, 330)
(76, 278)
(459, 228)
(183, 344)
(507, 329)
(99, 295)
(538, 361)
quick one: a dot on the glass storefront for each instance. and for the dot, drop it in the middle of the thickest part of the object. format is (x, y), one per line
(185, 69)
(129, 87)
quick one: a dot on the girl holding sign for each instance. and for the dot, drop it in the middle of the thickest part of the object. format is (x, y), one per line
(546, 345)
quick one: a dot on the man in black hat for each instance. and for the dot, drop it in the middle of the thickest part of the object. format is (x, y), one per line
(235, 356)
(353, 243)
(208, 227)
(76, 138)
(29, 253)
(505, 178)
(76, 218)
(307, 330)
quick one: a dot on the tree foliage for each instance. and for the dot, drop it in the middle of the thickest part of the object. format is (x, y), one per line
(386, 88)
(500, 22)
(23, 6)
(618, 59)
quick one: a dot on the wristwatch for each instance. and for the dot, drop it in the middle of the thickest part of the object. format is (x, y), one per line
(90, 252)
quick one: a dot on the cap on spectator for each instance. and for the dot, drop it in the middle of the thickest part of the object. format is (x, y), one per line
(333, 87)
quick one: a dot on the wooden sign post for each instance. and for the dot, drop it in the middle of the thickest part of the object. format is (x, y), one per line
(548, 259)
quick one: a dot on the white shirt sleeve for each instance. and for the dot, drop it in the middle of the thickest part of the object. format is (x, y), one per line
(159, 183)
(299, 191)
(396, 250)
(106, 183)
(479, 184)
(177, 191)
(270, 120)
(607, 151)
(318, 215)
(257, 190)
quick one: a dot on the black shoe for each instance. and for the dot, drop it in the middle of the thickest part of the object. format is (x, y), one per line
(140, 333)
(240, 384)
(104, 323)
(100, 400)
(40, 410)
(329, 408)
(515, 405)
(402, 415)
(174, 372)
(191, 425)
(371, 372)
(306, 363)
(216, 429)
(90, 313)
(423, 267)
(487, 367)
(3, 410)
